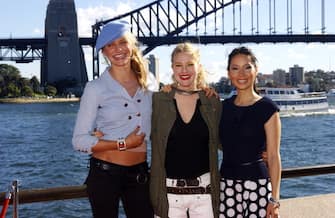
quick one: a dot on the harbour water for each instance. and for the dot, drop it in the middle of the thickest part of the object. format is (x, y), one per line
(35, 148)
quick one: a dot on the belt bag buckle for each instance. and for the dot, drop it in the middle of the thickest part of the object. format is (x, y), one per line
(187, 182)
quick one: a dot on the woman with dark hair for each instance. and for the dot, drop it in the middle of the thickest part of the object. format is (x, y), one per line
(250, 124)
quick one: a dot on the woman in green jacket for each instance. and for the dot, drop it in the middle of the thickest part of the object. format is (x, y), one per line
(184, 166)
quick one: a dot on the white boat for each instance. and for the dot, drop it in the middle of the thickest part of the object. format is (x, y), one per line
(331, 93)
(294, 100)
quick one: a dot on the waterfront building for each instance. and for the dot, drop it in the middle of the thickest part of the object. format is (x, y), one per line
(264, 79)
(279, 77)
(296, 75)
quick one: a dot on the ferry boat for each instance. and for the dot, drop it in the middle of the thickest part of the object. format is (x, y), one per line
(331, 93)
(294, 100)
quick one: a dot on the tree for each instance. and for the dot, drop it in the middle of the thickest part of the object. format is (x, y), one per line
(13, 85)
(22, 82)
(50, 90)
(10, 75)
(223, 85)
(35, 84)
(13, 90)
(2, 86)
(27, 91)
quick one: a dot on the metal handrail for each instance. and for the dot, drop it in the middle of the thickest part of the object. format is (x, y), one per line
(15, 185)
(11, 195)
(73, 192)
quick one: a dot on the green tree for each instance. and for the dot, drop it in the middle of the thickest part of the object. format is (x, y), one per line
(13, 90)
(35, 84)
(50, 90)
(2, 86)
(223, 85)
(27, 91)
(21, 83)
(9, 83)
(9, 72)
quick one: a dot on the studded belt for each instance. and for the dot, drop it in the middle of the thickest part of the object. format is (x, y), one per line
(187, 182)
(189, 190)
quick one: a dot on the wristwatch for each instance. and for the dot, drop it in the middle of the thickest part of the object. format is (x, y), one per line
(121, 144)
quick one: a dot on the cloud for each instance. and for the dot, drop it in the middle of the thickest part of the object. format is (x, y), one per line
(88, 16)
(294, 54)
(215, 70)
(37, 31)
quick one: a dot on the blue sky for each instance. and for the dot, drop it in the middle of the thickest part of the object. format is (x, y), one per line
(25, 19)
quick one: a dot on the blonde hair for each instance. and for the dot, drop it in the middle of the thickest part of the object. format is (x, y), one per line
(138, 63)
(194, 52)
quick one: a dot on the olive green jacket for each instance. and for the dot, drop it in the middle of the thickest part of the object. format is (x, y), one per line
(163, 118)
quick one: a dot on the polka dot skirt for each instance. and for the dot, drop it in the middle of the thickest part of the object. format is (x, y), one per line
(244, 198)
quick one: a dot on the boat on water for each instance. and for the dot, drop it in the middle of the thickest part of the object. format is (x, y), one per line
(294, 100)
(331, 93)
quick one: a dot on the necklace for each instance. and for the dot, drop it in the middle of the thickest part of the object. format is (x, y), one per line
(185, 92)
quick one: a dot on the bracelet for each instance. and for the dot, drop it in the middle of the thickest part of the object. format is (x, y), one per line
(121, 144)
(274, 202)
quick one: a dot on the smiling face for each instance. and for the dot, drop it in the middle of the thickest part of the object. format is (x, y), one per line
(185, 69)
(118, 52)
(242, 72)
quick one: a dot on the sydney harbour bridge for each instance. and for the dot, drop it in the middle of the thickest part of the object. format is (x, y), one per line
(165, 22)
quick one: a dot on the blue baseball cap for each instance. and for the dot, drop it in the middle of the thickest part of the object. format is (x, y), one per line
(110, 32)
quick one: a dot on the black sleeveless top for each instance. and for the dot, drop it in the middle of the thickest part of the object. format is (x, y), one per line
(187, 151)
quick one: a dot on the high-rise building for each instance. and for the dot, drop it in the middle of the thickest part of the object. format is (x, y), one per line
(296, 75)
(263, 79)
(279, 77)
(153, 66)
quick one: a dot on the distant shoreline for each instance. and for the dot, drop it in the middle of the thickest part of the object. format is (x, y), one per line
(36, 100)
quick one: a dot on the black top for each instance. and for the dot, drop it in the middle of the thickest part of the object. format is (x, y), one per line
(187, 151)
(243, 138)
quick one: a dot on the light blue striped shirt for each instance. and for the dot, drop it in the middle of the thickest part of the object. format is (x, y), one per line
(107, 106)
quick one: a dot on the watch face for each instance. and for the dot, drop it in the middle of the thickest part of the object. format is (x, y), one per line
(121, 144)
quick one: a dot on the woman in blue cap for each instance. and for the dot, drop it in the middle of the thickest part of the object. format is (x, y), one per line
(118, 105)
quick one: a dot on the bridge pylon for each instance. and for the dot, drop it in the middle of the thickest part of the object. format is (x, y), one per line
(63, 64)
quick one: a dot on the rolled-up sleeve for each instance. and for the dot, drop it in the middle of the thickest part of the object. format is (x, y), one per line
(82, 139)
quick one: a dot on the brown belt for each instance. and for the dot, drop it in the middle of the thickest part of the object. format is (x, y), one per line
(189, 190)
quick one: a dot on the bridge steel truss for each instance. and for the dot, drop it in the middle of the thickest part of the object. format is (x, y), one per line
(165, 22)
(21, 50)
